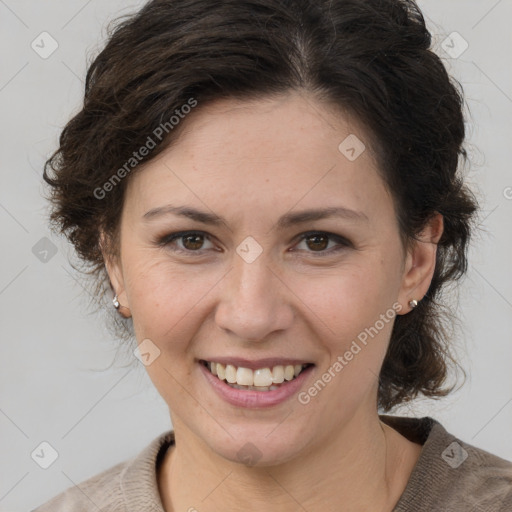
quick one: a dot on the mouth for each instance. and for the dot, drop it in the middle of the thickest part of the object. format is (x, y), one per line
(268, 378)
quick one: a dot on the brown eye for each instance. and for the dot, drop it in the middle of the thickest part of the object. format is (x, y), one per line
(186, 242)
(322, 243)
(317, 242)
(193, 242)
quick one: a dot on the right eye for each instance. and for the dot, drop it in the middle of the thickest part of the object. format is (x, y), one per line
(185, 242)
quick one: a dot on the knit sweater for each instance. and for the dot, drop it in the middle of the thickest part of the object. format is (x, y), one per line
(449, 476)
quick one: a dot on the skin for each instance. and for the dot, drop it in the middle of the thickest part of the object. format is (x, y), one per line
(250, 163)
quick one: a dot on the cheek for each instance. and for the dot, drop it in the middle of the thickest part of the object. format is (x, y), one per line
(353, 316)
(350, 298)
(167, 300)
(164, 299)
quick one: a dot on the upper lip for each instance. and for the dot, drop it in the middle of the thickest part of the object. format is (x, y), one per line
(255, 364)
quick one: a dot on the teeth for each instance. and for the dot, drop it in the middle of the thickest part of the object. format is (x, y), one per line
(221, 371)
(230, 373)
(278, 374)
(244, 377)
(250, 388)
(262, 379)
(289, 372)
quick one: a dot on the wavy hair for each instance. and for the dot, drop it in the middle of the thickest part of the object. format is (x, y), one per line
(370, 58)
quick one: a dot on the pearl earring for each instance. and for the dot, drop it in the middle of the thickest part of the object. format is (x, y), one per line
(413, 303)
(115, 301)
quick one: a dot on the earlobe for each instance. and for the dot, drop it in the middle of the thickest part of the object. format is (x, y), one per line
(115, 276)
(420, 264)
(120, 300)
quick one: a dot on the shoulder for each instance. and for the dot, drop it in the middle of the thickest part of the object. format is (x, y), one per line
(131, 484)
(483, 480)
(452, 475)
(102, 490)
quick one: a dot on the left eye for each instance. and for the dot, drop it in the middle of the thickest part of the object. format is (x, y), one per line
(318, 241)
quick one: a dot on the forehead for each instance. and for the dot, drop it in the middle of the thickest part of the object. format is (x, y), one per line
(289, 126)
(288, 149)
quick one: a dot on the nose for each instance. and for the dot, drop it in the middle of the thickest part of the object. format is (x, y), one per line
(254, 301)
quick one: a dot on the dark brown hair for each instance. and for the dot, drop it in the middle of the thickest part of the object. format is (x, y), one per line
(370, 58)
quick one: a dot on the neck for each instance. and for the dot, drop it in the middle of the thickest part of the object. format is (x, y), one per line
(363, 467)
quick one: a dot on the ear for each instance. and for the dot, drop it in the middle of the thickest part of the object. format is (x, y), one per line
(420, 263)
(115, 275)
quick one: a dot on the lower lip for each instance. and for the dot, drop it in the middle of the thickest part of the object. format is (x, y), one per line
(255, 399)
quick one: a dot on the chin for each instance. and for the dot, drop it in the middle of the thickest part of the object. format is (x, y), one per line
(260, 445)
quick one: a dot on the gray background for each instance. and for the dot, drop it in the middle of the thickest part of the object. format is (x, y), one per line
(51, 350)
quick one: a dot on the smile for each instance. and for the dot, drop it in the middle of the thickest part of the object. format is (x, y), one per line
(260, 379)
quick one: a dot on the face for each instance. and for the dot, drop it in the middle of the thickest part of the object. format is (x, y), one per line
(228, 255)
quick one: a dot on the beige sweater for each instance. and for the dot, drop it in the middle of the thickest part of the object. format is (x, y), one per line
(450, 476)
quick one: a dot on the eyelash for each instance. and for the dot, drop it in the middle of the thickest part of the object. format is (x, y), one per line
(343, 243)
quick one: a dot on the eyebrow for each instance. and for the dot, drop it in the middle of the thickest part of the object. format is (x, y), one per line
(287, 220)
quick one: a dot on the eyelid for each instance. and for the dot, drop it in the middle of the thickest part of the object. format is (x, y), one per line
(334, 236)
(172, 237)
(339, 239)
(342, 242)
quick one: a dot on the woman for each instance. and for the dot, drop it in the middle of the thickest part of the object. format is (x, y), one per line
(271, 190)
